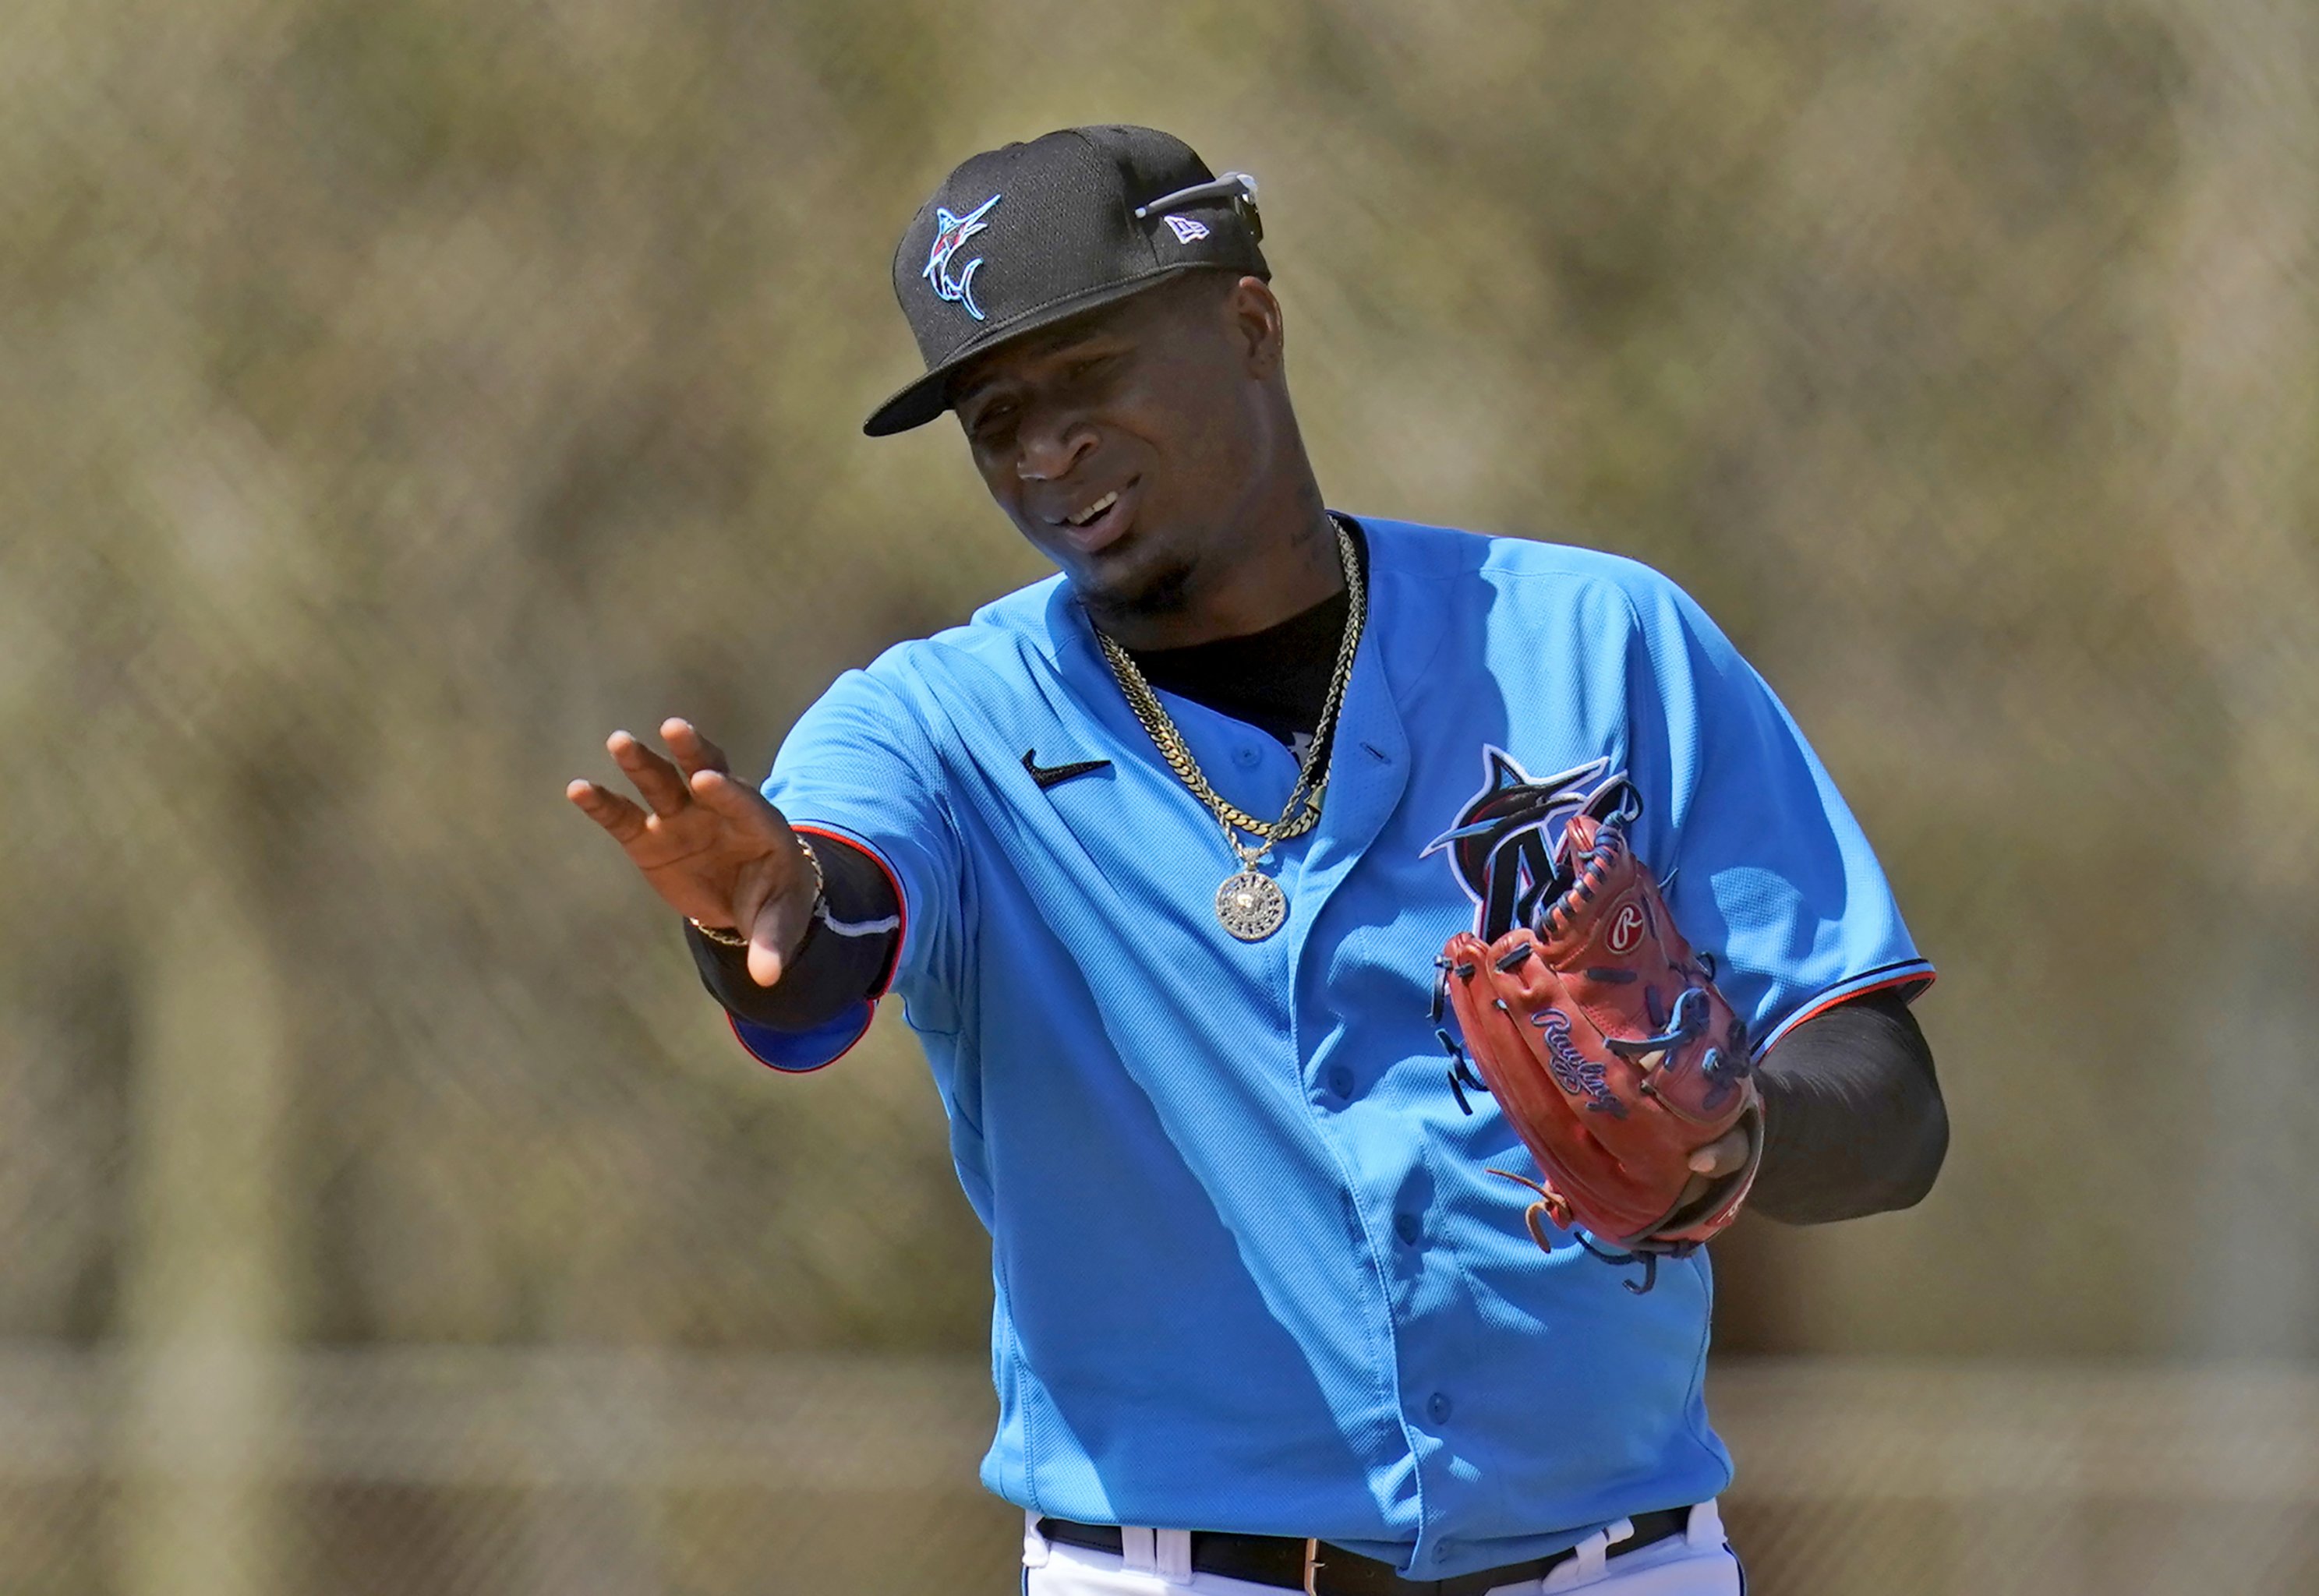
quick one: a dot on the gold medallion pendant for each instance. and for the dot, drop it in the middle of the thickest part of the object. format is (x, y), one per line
(1251, 905)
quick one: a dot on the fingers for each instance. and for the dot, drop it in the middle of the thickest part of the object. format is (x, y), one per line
(708, 844)
(1726, 1155)
(608, 809)
(694, 752)
(780, 871)
(776, 931)
(738, 802)
(657, 780)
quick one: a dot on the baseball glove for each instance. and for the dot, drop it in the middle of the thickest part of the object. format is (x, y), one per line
(1603, 1038)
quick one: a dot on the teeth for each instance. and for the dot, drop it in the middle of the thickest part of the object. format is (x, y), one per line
(1095, 509)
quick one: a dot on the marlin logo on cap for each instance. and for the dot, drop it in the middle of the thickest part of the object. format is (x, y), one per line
(954, 232)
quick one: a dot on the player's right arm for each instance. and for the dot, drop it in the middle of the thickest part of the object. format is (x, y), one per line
(859, 781)
(714, 847)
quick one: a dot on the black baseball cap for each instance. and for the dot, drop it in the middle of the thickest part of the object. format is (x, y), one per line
(1019, 237)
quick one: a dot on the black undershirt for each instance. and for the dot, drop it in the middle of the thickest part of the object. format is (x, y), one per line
(1854, 1118)
(1276, 680)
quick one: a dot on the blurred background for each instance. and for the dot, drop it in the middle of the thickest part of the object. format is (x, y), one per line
(396, 397)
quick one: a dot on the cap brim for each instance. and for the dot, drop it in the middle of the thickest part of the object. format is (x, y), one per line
(929, 396)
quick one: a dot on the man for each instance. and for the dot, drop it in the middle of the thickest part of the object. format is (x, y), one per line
(1153, 852)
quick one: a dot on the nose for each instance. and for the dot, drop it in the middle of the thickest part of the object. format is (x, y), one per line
(1049, 446)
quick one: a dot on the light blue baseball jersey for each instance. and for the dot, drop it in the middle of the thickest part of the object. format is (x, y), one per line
(1252, 1273)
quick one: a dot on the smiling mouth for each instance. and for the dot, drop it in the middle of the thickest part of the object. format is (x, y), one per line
(1101, 521)
(1086, 517)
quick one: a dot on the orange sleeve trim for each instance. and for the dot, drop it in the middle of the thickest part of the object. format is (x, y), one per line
(1919, 977)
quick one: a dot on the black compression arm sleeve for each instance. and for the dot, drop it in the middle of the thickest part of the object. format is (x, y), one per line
(833, 970)
(1853, 1116)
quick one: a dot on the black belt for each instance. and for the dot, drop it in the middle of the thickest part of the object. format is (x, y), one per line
(1324, 1570)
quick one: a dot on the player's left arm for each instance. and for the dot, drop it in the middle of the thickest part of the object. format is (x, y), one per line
(1765, 867)
(1854, 1123)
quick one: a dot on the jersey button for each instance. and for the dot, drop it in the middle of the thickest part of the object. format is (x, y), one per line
(1341, 1080)
(1437, 1408)
(1408, 1227)
(1245, 755)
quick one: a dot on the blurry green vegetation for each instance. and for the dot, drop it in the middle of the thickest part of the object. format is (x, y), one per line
(399, 397)
(393, 399)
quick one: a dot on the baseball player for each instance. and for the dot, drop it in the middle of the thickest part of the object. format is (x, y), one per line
(1210, 869)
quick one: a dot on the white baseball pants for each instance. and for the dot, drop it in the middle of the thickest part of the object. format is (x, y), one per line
(1158, 1563)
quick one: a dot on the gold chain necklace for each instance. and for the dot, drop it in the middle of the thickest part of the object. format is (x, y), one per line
(1250, 905)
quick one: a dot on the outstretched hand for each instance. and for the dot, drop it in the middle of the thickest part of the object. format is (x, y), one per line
(711, 846)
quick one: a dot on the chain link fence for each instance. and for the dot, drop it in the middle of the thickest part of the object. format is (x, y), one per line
(393, 399)
(454, 1470)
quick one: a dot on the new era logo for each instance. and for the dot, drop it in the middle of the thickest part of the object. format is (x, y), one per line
(1186, 230)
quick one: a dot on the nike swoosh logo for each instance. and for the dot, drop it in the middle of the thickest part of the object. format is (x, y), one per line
(1047, 776)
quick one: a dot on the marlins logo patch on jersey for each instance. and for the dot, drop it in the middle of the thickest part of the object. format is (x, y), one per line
(1503, 843)
(952, 234)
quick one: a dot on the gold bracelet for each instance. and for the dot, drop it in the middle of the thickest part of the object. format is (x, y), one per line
(730, 936)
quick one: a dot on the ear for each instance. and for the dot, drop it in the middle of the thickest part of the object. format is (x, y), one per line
(1255, 317)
